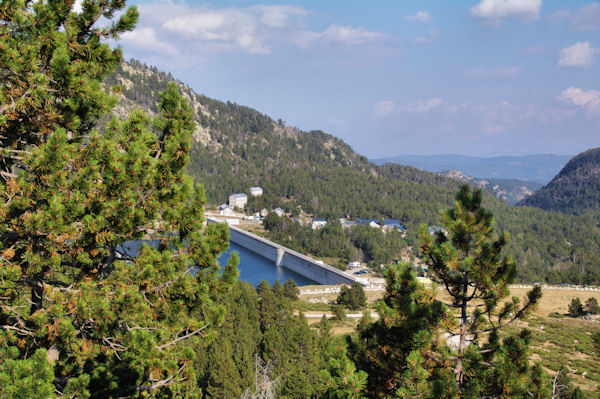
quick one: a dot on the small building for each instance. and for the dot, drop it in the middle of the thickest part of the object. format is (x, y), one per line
(264, 212)
(318, 223)
(256, 191)
(238, 200)
(348, 223)
(369, 222)
(226, 210)
(279, 211)
(390, 224)
(353, 265)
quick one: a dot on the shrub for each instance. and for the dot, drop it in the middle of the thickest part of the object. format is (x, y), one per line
(591, 306)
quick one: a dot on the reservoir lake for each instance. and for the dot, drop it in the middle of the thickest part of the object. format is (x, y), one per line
(254, 268)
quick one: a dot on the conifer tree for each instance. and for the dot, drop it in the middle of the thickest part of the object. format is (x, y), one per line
(409, 352)
(291, 290)
(52, 62)
(107, 323)
(392, 350)
(353, 297)
(591, 306)
(576, 308)
(467, 261)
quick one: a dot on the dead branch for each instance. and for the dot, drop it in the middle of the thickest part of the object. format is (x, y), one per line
(161, 347)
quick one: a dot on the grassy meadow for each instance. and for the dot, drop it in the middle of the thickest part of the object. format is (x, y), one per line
(559, 342)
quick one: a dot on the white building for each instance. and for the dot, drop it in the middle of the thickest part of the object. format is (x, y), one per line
(240, 200)
(353, 265)
(226, 210)
(264, 212)
(256, 191)
(318, 223)
(279, 211)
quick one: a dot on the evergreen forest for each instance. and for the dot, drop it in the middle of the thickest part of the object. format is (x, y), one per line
(235, 147)
(81, 175)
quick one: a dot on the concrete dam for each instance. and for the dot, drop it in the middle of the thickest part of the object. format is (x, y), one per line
(285, 257)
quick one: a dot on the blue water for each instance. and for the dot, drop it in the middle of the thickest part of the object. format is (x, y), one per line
(254, 268)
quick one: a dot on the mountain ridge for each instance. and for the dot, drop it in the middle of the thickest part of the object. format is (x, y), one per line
(510, 190)
(539, 168)
(575, 189)
(235, 147)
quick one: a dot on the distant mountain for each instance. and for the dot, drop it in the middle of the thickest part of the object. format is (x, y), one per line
(576, 189)
(509, 190)
(536, 168)
(235, 147)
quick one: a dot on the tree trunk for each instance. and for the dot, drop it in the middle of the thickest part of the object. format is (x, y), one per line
(37, 297)
(458, 371)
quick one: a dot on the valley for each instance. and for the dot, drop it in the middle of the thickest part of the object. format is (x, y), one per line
(235, 147)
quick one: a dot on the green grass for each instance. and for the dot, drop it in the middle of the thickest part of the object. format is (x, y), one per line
(307, 306)
(567, 344)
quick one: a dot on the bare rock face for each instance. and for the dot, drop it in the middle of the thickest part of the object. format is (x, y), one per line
(508, 190)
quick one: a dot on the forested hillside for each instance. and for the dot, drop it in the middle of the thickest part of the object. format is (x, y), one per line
(236, 147)
(576, 189)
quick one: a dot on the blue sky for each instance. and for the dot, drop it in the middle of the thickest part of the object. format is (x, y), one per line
(477, 77)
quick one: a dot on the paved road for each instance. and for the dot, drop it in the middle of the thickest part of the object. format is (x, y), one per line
(329, 315)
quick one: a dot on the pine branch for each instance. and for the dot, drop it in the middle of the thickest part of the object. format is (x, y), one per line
(161, 347)
(21, 331)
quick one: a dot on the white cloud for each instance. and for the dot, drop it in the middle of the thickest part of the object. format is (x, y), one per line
(587, 18)
(383, 108)
(495, 11)
(504, 72)
(337, 34)
(488, 119)
(420, 16)
(386, 108)
(580, 54)
(588, 100)
(418, 107)
(433, 35)
(227, 29)
(502, 117)
(197, 33)
(146, 39)
(279, 16)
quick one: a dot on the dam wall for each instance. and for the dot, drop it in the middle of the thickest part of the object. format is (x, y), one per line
(285, 257)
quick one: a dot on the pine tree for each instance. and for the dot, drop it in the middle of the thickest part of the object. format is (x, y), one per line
(409, 352)
(468, 263)
(52, 62)
(394, 350)
(110, 324)
(352, 297)
(291, 290)
(576, 308)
